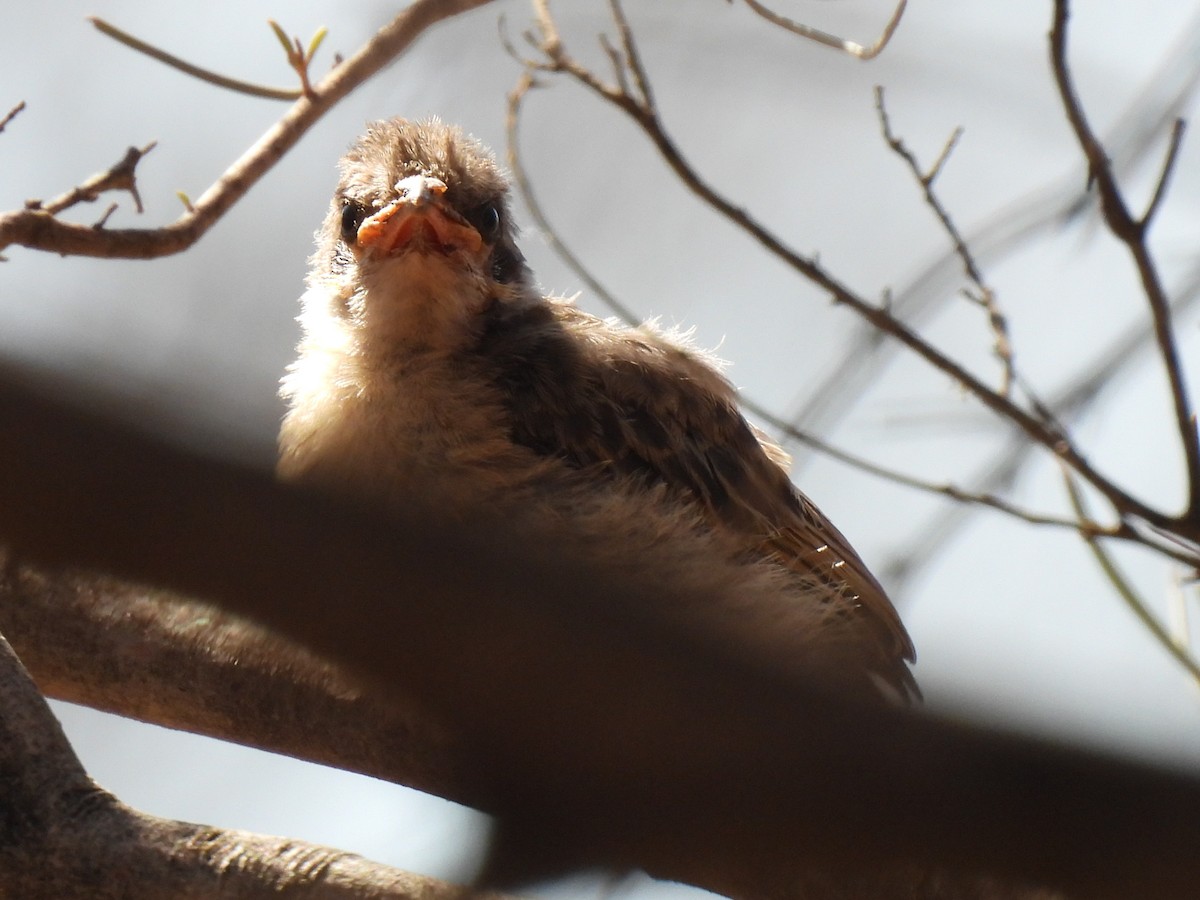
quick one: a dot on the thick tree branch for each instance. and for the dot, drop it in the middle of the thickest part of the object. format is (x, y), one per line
(64, 838)
(41, 231)
(152, 656)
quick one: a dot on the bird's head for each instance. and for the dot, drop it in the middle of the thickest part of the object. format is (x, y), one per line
(419, 234)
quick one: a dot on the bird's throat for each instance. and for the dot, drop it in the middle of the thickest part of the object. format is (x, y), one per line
(420, 301)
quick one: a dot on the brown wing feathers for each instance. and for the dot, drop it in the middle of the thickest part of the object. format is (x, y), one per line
(624, 415)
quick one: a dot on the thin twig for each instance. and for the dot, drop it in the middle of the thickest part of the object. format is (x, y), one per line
(232, 84)
(120, 177)
(941, 489)
(938, 164)
(103, 220)
(1053, 205)
(1178, 623)
(1168, 167)
(1124, 589)
(11, 114)
(782, 427)
(829, 40)
(1058, 444)
(1067, 404)
(549, 232)
(986, 296)
(1132, 233)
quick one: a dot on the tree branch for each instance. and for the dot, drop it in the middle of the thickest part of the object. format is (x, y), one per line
(121, 177)
(149, 655)
(64, 838)
(10, 115)
(784, 430)
(641, 109)
(830, 40)
(41, 231)
(169, 59)
(1132, 233)
(986, 297)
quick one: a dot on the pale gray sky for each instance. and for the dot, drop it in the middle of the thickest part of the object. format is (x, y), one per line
(1011, 622)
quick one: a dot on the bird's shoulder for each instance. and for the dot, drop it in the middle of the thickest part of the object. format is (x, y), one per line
(595, 391)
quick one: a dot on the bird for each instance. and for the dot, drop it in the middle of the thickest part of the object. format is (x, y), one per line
(430, 362)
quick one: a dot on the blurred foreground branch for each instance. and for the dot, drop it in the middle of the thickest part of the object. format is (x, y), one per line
(601, 728)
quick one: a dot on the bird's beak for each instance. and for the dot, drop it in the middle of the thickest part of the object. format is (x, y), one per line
(420, 219)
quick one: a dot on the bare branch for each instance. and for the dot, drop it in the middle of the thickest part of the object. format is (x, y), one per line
(67, 838)
(1168, 167)
(1132, 233)
(121, 177)
(938, 164)
(784, 429)
(558, 60)
(150, 655)
(206, 75)
(986, 296)
(1125, 590)
(830, 40)
(1056, 204)
(1068, 404)
(11, 114)
(525, 187)
(39, 230)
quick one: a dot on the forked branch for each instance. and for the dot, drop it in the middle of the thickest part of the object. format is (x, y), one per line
(1132, 231)
(783, 428)
(638, 103)
(982, 294)
(67, 838)
(40, 230)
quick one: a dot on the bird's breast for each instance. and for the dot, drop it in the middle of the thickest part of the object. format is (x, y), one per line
(390, 432)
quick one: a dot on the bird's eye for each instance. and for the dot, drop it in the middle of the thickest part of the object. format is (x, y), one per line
(352, 216)
(486, 220)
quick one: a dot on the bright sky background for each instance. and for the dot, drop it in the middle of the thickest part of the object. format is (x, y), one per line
(1012, 623)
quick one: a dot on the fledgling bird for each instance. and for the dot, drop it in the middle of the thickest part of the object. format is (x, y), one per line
(431, 362)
